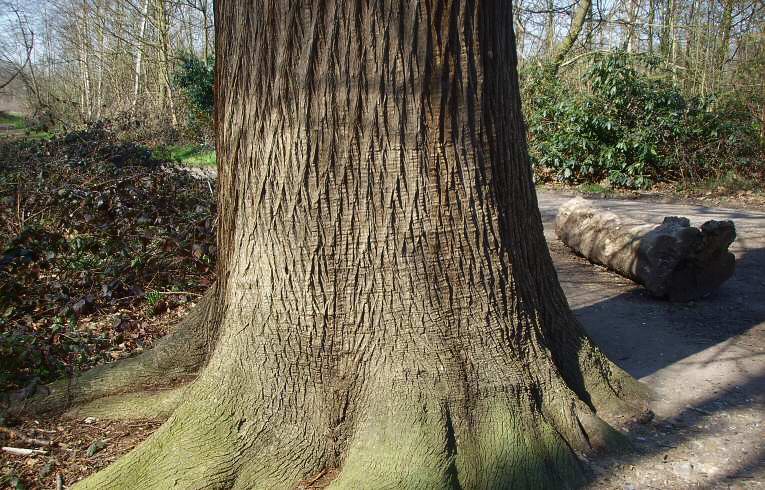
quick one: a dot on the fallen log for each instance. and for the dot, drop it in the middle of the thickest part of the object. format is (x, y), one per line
(672, 260)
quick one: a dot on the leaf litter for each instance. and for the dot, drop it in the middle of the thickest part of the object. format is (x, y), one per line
(102, 249)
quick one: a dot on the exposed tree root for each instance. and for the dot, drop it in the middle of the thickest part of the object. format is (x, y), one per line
(505, 424)
(139, 405)
(175, 359)
(232, 430)
(190, 450)
(511, 439)
(207, 443)
(609, 389)
(504, 444)
(396, 432)
(594, 379)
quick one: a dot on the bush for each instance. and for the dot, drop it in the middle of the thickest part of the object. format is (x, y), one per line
(631, 127)
(195, 78)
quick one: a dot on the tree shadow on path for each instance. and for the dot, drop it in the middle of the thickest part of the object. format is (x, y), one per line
(705, 362)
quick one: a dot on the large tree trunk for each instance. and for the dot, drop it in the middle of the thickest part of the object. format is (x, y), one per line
(386, 304)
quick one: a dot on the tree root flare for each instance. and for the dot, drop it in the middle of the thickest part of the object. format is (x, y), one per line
(175, 359)
(128, 406)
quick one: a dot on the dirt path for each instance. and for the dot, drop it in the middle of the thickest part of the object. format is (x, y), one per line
(705, 361)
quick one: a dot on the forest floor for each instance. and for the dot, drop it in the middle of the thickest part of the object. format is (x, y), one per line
(729, 191)
(704, 361)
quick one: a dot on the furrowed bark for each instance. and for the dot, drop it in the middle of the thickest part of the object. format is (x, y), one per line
(388, 306)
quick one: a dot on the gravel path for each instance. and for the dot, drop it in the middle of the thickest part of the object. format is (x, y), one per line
(704, 361)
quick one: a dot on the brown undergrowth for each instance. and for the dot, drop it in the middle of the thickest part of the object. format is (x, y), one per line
(101, 248)
(76, 449)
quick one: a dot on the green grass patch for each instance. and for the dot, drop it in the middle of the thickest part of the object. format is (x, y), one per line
(595, 189)
(729, 183)
(192, 155)
(38, 135)
(20, 123)
(13, 119)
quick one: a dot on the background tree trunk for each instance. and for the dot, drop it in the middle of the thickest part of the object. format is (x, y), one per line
(724, 46)
(651, 20)
(84, 49)
(550, 27)
(143, 19)
(385, 303)
(580, 17)
(632, 39)
(163, 28)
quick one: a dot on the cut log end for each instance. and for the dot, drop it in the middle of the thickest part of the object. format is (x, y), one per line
(673, 260)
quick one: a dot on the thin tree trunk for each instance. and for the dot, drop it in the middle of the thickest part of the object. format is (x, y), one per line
(725, 31)
(520, 31)
(668, 41)
(651, 20)
(707, 53)
(139, 54)
(550, 28)
(164, 61)
(84, 49)
(101, 60)
(699, 62)
(690, 60)
(206, 29)
(673, 39)
(667, 32)
(580, 16)
(691, 34)
(631, 40)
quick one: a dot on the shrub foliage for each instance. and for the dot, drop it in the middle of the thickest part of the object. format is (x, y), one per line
(630, 126)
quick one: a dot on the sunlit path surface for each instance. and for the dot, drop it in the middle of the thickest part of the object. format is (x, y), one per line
(705, 361)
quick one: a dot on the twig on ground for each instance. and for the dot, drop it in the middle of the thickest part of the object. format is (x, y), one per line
(19, 451)
(29, 440)
(700, 410)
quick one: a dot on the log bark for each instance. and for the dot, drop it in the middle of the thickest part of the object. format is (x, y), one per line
(672, 260)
